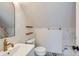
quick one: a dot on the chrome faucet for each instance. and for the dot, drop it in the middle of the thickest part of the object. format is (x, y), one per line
(6, 44)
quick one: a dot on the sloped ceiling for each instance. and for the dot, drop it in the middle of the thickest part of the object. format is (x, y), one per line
(50, 14)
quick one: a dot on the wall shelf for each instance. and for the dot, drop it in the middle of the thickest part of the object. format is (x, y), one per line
(29, 26)
(29, 33)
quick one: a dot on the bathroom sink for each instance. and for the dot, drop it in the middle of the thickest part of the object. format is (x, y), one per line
(18, 50)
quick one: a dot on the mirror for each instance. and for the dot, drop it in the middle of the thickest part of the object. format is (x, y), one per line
(7, 19)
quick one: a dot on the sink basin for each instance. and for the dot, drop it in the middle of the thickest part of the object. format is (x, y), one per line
(18, 50)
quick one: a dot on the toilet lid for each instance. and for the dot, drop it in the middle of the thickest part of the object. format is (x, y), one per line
(40, 49)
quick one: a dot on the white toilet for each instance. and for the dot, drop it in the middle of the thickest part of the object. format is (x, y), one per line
(40, 51)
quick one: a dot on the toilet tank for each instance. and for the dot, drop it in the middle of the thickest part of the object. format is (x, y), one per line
(50, 39)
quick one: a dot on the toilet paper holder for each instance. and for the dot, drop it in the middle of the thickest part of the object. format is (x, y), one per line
(75, 48)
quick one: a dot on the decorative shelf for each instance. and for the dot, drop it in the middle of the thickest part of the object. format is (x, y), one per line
(29, 26)
(29, 33)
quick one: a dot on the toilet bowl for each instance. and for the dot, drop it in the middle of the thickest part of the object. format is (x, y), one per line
(40, 51)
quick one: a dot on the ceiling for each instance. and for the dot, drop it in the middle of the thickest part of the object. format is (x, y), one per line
(50, 14)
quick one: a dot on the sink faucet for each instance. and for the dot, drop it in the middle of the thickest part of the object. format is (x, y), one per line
(6, 44)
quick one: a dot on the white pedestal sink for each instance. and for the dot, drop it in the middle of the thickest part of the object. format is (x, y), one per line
(18, 50)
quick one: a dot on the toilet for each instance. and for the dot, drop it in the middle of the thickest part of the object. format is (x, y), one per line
(40, 51)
